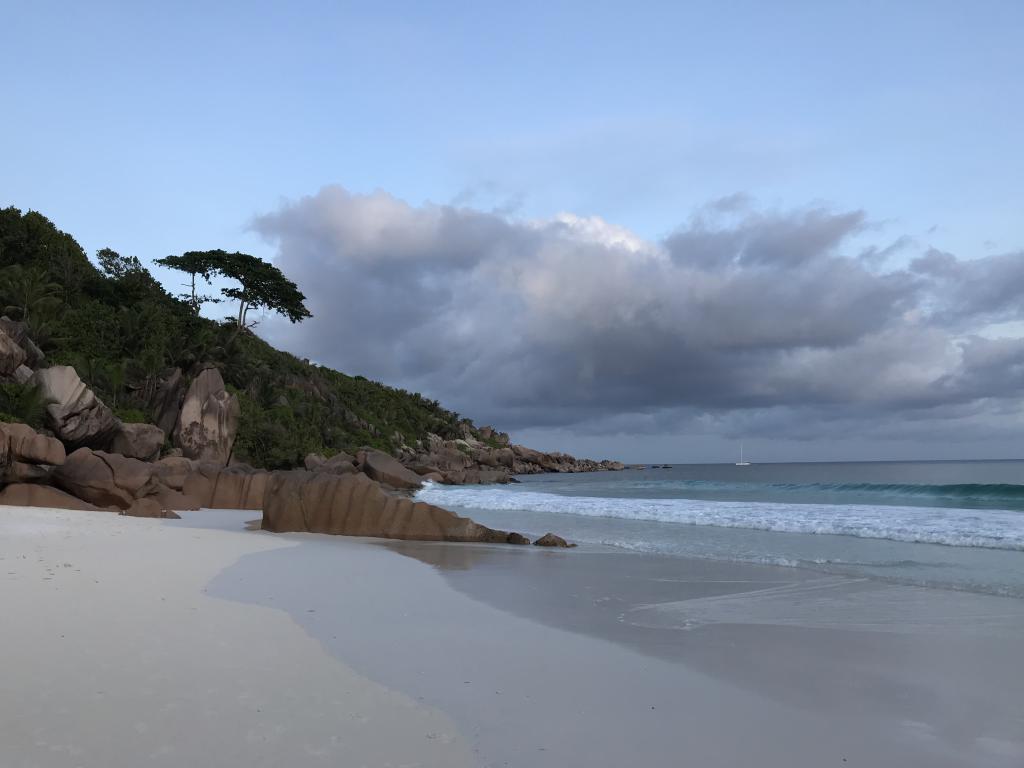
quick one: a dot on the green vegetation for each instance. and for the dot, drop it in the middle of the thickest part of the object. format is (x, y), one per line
(120, 329)
(21, 403)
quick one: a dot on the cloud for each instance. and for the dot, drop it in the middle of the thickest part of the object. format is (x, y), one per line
(740, 320)
(990, 288)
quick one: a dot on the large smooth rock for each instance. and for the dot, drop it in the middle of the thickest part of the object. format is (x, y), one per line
(150, 507)
(168, 498)
(22, 374)
(239, 490)
(74, 413)
(386, 469)
(355, 505)
(105, 479)
(18, 332)
(19, 495)
(165, 405)
(22, 443)
(138, 441)
(173, 470)
(339, 464)
(20, 472)
(225, 488)
(208, 422)
(552, 540)
(12, 356)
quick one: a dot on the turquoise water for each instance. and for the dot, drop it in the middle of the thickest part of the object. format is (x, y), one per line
(950, 524)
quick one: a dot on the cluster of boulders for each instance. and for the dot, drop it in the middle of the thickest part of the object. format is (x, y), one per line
(87, 458)
(347, 495)
(470, 460)
(37, 472)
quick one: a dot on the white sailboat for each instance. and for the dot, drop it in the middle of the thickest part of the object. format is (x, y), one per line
(741, 462)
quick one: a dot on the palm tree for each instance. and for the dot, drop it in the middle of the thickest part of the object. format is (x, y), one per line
(28, 292)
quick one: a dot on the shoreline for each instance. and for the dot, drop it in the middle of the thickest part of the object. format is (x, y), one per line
(526, 650)
(473, 654)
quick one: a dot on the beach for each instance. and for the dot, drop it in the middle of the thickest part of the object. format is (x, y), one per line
(115, 656)
(162, 642)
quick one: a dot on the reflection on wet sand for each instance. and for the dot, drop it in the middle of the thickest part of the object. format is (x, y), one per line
(792, 635)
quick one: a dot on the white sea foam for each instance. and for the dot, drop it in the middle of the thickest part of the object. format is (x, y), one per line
(995, 529)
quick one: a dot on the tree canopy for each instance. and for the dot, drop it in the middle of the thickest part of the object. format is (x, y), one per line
(261, 285)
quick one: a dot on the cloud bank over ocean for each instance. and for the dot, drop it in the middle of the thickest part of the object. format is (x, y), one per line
(742, 321)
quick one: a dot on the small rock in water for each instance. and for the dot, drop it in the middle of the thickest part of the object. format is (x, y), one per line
(517, 538)
(551, 540)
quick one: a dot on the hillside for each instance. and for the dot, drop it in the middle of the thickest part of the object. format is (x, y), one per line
(123, 332)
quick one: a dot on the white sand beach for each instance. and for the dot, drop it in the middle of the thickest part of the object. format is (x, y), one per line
(134, 642)
(114, 656)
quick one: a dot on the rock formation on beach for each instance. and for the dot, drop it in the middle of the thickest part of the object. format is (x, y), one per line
(552, 540)
(469, 460)
(208, 419)
(74, 413)
(37, 472)
(354, 505)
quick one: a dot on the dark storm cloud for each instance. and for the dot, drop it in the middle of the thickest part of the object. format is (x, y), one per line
(741, 320)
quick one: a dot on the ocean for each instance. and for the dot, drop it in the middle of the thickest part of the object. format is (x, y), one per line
(948, 524)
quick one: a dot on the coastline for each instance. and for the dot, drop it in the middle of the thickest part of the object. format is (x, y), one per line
(527, 651)
(176, 648)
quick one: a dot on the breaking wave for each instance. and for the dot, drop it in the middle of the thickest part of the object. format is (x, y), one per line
(957, 527)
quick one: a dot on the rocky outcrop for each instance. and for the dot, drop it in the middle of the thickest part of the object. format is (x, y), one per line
(530, 462)
(173, 470)
(20, 442)
(150, 507)
(355, 505)
(138, 441)
(74, 413)
(491, 435)
(474, 476)
(12, 357)
(468, 460)
(25, 455)
(552, 540)
(339, 464)
(387, 470)
(211, 486)
(18, 332)
(105, 479)
(22, 495)
(208, 421)
(165, 403)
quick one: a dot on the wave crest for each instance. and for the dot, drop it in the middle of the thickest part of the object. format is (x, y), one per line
(993, 529)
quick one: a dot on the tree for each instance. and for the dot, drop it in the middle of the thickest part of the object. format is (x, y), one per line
(204, 264)
(27, 292)
(261, 284)
(116, 266)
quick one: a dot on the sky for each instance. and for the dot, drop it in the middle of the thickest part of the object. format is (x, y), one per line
(646, 231)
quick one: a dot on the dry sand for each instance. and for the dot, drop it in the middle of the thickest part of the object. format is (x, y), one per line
(113, 655)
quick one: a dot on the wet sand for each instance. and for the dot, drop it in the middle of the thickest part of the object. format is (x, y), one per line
(597, 658)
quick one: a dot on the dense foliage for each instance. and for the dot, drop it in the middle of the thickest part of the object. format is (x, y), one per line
(120, 329)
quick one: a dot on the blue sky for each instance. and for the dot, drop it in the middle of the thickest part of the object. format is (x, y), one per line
(157, 128)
